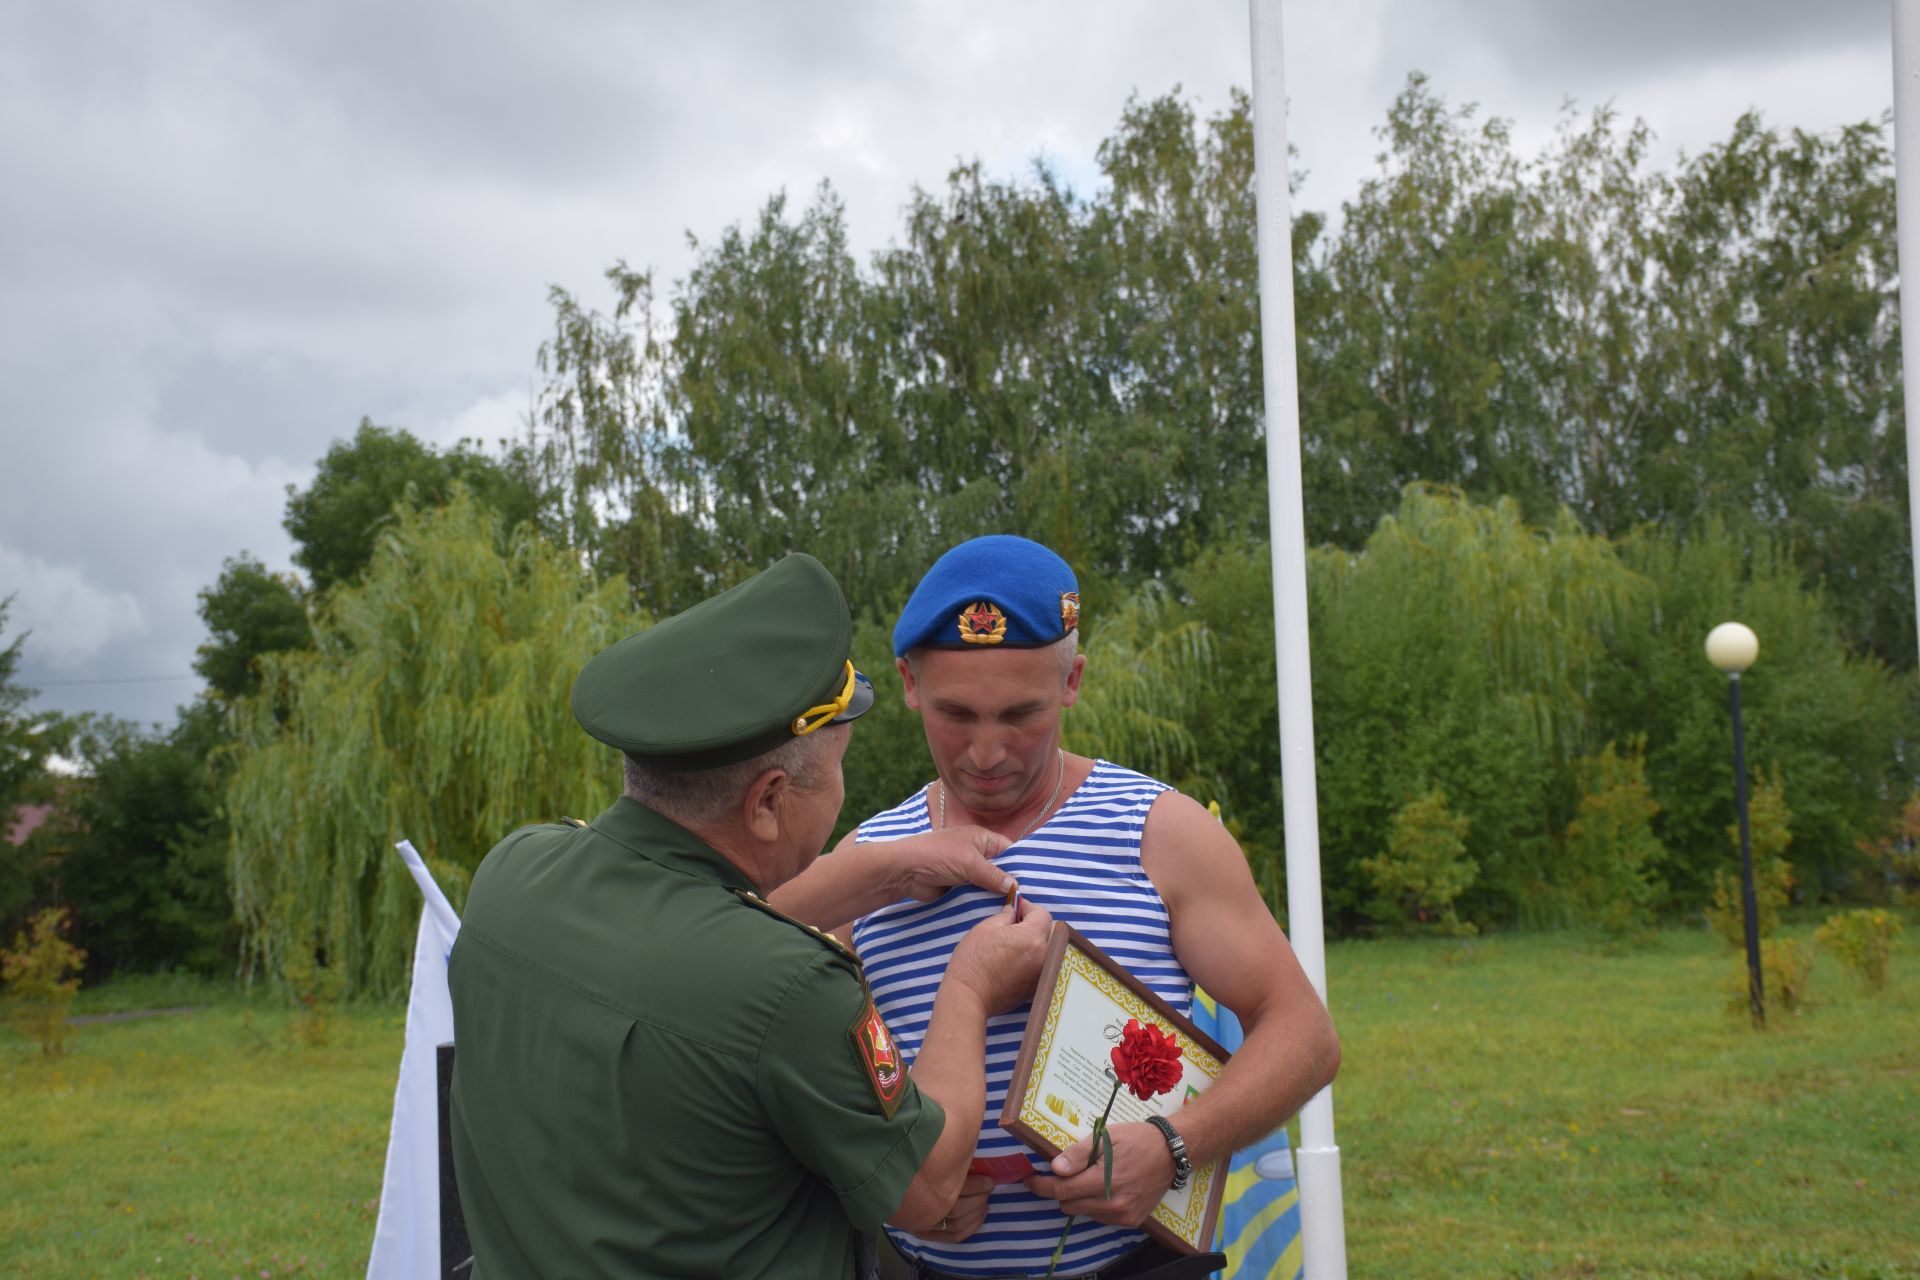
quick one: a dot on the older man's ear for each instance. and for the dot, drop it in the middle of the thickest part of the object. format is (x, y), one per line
(760, 807)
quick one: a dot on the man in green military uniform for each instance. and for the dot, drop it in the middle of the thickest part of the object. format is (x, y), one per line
(661, 1075)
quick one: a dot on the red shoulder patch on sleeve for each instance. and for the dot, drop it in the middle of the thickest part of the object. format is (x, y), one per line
(879, 1058)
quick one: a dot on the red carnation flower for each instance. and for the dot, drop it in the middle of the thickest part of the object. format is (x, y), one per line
(1147, 1060)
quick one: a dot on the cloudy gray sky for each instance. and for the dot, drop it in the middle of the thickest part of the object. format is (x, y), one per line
(230, 230)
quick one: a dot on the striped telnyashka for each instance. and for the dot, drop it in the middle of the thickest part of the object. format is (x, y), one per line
(1083, 866)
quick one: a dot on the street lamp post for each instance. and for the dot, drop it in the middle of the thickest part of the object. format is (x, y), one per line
(1732, 648)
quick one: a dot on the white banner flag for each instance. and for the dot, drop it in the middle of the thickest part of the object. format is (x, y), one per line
(406, 1238)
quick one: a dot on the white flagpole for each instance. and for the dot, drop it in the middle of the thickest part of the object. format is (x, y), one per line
(1322, 1222)
(1906, 183)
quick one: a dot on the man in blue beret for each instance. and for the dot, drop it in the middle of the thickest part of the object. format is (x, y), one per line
(987, 654)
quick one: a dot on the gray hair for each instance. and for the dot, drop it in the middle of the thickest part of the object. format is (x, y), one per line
(702, 797)
(1064, 650)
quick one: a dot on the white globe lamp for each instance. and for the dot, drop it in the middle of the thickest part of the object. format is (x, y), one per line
(1732, 647)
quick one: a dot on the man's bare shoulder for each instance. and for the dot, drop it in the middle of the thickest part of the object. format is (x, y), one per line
(1176, 815)
(1189, 855)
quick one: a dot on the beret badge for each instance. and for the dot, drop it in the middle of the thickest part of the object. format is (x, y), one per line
(1069, 610)
(982, 623)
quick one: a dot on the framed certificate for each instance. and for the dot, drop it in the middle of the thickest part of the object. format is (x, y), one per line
(1061, 1080)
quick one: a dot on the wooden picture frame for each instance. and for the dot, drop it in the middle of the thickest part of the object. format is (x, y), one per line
(1060, 1083)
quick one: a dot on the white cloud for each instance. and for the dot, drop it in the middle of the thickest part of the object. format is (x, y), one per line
(71, 617)
(1814, 89)
(489, 419)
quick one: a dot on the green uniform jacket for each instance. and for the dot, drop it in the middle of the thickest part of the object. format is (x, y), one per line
(659, 1076)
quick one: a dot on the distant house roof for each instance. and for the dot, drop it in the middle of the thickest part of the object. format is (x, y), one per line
(25, 820)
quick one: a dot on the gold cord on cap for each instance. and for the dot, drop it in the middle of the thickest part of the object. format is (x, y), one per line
(813, 717)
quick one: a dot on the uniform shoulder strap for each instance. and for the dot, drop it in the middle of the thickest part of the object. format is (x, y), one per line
(840, 948)
(573, 822)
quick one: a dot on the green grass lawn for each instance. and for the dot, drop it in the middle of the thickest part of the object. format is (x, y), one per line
(210, 1144)
(1526, 1106)
(1532, 1106)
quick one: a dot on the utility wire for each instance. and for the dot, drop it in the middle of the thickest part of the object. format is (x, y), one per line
(110, 680)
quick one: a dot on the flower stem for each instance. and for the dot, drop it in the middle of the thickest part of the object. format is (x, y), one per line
(1099, 1132)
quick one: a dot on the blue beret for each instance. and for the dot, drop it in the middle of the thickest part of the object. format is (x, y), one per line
(997, 590)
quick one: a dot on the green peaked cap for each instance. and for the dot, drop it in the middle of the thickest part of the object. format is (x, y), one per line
(728, 679)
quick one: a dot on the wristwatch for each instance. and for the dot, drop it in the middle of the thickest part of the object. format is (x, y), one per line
(1182, 1167)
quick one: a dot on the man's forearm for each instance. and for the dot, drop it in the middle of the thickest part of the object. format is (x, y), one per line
(1287, 1057)
(839, 887)
(948, 1069)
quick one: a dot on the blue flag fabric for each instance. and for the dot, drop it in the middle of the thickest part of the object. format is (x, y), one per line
(1260, 1215)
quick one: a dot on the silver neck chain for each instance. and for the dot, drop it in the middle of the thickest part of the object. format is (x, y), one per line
(1059, 779)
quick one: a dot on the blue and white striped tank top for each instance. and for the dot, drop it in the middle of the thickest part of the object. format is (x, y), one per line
(1083, 866)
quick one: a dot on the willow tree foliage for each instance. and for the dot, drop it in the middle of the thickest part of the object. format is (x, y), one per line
(1458, 652)
(432, 707)
(1140, 694)
(1531, 605)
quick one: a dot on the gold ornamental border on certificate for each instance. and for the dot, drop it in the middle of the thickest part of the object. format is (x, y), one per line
(1070, 953)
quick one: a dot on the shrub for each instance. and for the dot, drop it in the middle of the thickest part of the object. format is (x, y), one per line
(1863, 941)
(42, 974)
(1785, 967)
(316, 990)
(1424, 868)
(1611, 851)
(1770, 828)
(1772, 887)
